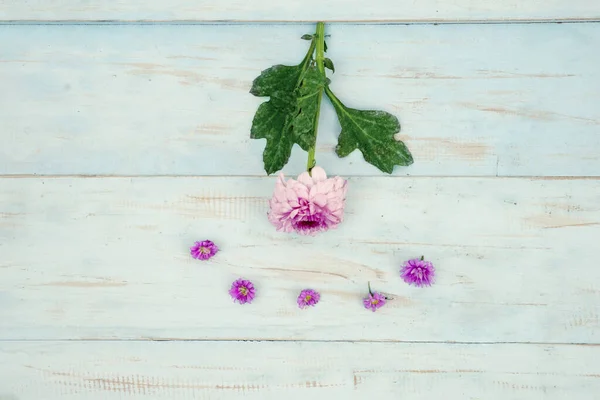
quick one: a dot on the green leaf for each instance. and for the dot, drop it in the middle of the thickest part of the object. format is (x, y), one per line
(329, 64)
(307, 108)
(289, 116)
(277, 78)
(372, 132)
(324, 46)
(307, 37)
(270, 124)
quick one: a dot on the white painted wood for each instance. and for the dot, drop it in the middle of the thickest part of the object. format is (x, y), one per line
(293, 370)
(108, 258)
(146, 100)
(300, 10)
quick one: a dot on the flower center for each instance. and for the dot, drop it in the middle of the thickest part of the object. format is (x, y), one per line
(374, 302)
(308, 224)
(243, 290)
(307, 298)
(204, 250)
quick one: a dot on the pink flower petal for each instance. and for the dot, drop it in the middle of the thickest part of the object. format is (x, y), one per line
(320, 200)
(305, 179)
(325, 186)
(318, 174)
(301, 191)
(291, 196)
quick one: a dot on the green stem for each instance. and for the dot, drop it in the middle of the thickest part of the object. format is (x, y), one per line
(333, 97)
(306, 60)
(320, 61)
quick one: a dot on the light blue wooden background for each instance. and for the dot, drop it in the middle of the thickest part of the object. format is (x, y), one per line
(124, 137)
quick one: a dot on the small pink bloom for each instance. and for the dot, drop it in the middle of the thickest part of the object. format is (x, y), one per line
(418, 272)
(311, 204)
(308, 297)
(242, 291)
(374, 300)
(203, 250)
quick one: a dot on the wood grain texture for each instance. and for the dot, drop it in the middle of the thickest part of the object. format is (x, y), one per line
(299, 10)
(508, 100)
(94, 258)
(263, 370)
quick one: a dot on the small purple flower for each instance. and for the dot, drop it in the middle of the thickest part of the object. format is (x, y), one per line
(418, 272)
(374, 300)
(242, 291)
(203, 250)
(308, 297)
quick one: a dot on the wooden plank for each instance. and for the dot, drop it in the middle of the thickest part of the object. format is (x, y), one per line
(300, 10)
(295, 370)
(108, 258)
(509, 100)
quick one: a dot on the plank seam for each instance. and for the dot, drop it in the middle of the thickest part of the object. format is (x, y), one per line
(84, 176)
(259, 340)
(302, 22)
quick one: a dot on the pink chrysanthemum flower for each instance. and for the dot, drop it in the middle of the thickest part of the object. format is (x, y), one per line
(311, 204)
(418, 272)
(242, 291)
(374, 300)
(308, 297)
(203, 250)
